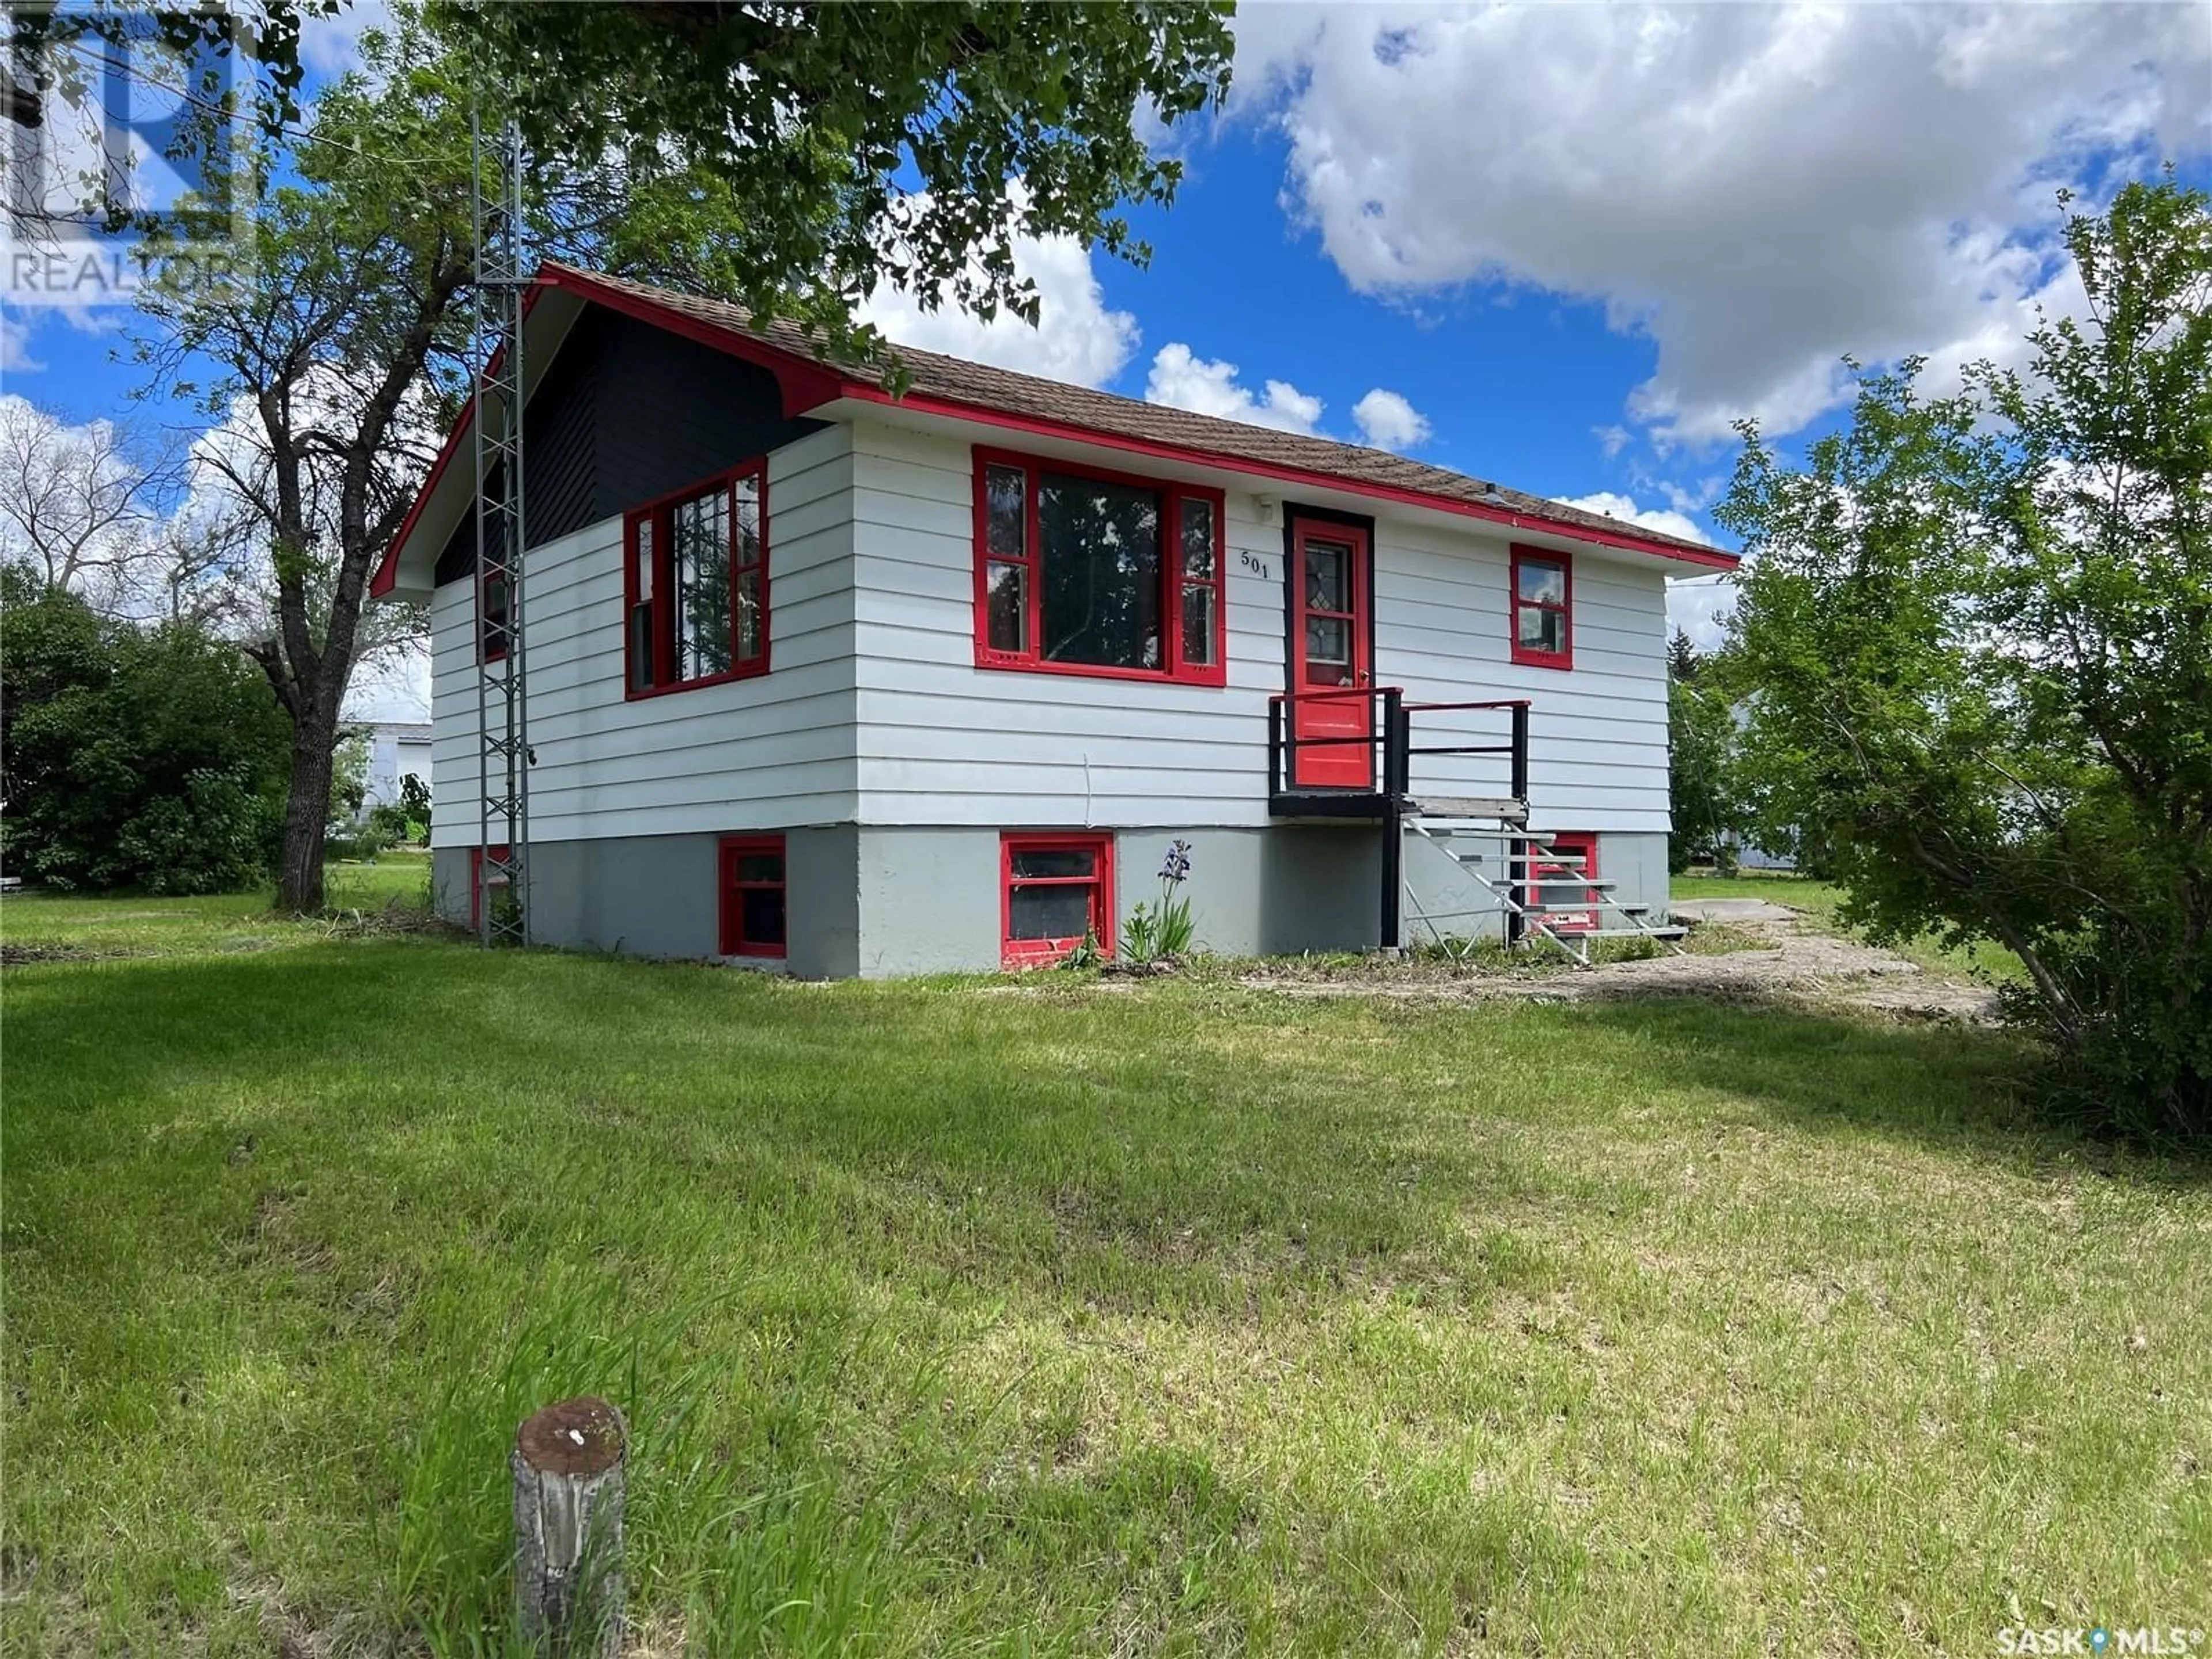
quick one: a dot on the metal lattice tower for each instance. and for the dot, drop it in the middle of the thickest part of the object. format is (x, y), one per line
(502, 706)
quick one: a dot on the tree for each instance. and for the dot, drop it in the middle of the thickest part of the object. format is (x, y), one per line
(1979, 630)
(792, 158)
(145, 755)
(1703, 796)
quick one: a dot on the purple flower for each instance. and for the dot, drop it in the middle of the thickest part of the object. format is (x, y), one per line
(1177, 867)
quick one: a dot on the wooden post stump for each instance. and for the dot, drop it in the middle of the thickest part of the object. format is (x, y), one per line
(568, 1464)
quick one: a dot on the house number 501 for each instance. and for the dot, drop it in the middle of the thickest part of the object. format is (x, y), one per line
(1253, 563)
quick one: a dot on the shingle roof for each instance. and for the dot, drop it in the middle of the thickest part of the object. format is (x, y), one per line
(956, 380)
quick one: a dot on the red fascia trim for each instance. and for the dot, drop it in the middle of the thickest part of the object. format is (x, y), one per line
(1172, 493)
(923, 403)
(387, 568)
(1527, 655)
(730, 921)
(803, 383)
(1043, 952)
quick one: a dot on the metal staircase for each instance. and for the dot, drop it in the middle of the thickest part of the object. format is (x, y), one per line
(1529, 896)
(1539, 892)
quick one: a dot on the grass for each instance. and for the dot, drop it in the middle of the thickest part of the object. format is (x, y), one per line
(1064, 1317)
(1985, 962)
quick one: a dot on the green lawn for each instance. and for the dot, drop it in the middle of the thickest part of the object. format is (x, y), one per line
(1062, 1316)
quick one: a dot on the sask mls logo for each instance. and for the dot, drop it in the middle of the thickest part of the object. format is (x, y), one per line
(110, 116)
(2103, 1641)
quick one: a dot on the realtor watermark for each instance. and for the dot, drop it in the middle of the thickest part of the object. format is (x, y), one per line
(118, 124)
(2103, 1641)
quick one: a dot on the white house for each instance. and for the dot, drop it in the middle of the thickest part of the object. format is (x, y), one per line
(398, 749)
(857, 684)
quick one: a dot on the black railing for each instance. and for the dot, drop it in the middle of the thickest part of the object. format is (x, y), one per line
(1389, 737)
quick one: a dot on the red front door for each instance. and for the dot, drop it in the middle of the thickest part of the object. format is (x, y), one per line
(1329, 652)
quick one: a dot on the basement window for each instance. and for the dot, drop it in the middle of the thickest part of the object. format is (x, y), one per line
(1055, 890)
(485, 872)
(1543, 609)
(752, 895)
(1079, 571)
(695, 585)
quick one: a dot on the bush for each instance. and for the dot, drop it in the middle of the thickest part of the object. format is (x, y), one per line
(132, 757)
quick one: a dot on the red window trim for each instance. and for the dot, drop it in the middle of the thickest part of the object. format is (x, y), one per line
(660, 511)
(1516, 604)
(731, 932)
(1043, 952)
(1573, 842)
(476, 882)
(1172, 495)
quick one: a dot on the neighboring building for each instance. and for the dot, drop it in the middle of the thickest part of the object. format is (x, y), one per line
(848, 682)
(397, 750)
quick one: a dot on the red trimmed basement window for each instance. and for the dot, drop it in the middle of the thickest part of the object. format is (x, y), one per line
(1055, 889)
(752, 895)
(695, 585)
(1083, 572)
(1543, 609)
(478, 883)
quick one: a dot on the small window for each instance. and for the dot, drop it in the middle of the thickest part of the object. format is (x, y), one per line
(1083, 572)
(1058, 889)
(1543, 609)
(695, 585)
(752, 895)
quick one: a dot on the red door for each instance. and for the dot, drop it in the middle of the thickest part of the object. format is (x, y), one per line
(1329, 652)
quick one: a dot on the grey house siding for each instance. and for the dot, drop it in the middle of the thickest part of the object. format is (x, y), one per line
(626, 413)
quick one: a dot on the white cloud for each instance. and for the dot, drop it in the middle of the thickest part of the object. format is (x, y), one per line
(1665, 521)
(330, 46)
(1181, 380)
(1699, 607)
(16, 346)
(1611, 440)
(1758, 189)
(1387, 421)
(1077, 338)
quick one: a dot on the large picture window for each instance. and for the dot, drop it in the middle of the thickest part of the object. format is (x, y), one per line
(1083, 572)
(1543, 609)
(695, 585)
(1055, 890)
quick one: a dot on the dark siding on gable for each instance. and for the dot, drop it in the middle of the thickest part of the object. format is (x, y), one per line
(628, 412)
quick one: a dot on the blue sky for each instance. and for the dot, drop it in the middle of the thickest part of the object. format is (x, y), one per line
(1565, 246)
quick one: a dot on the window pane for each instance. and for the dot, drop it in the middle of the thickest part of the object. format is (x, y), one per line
(1049, 913)
(1329, 571)
(1198, 538)
(1198, 624)
(1003, 505)
(1328, 643)
(1100, 546)
(1543, 581)
(1006, 600)
(760, 866)
(749, 521)
(1543, 630)
(702, 565)
(640, 646)
(760, 910)
(645, 561)
(1055, 861)
(749, 614)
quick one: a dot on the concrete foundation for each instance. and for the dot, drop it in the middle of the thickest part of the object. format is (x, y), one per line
(885, 902)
